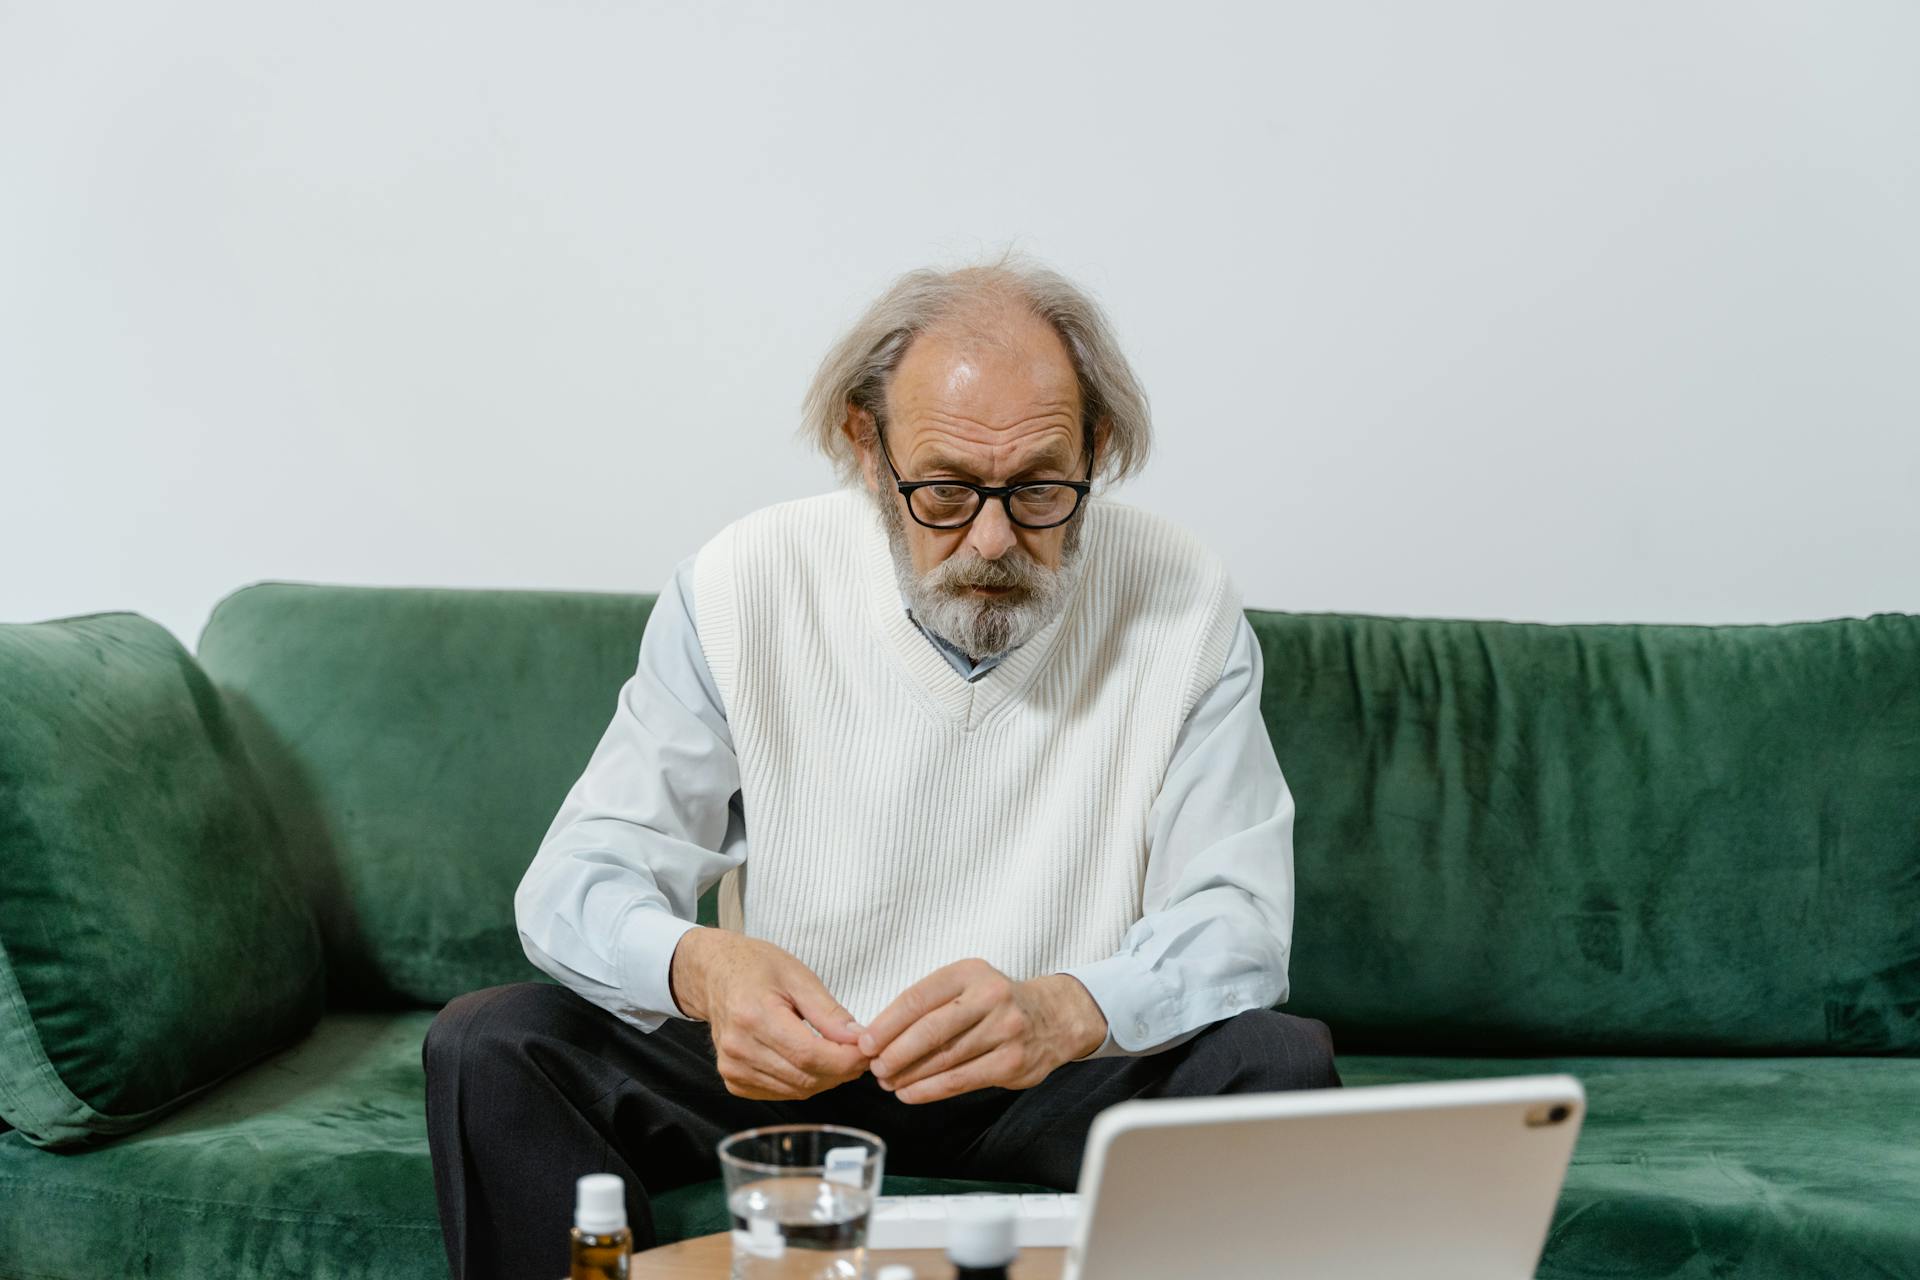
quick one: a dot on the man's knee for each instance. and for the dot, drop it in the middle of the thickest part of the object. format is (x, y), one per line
(1264, 1050)
(485, 1026)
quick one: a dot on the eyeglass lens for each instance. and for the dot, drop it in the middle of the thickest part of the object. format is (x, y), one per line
(955, 504)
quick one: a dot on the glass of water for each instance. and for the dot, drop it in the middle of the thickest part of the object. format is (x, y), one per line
(800, 1196)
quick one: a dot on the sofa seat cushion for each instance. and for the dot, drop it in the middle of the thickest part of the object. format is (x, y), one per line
(1707, 1167)
(313, 1164)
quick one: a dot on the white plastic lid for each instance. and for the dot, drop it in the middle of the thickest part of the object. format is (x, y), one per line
(600, 1203)
(895, 1271)
(980, 1234)
(846, 1164)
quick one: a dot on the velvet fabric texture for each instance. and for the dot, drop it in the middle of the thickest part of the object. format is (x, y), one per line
(151, 941)
(1605, 839)
(1680, 863)
(1702, 1168)
(417, 744)
(314, 1164)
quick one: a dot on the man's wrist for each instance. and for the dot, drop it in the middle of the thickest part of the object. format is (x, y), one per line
(1083, 1025)
(686, 970)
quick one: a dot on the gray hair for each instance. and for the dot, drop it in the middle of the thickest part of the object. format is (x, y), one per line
(856, 371)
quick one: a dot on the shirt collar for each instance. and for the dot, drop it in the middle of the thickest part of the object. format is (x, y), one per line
(958, 658)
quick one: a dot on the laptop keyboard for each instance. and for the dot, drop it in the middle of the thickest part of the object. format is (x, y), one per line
(920, 1222)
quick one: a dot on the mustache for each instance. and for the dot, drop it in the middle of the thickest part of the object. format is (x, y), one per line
(978, 572)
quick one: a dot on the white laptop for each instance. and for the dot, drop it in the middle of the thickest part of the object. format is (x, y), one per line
(1437, 1180)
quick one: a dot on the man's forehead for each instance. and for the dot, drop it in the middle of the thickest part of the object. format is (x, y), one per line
(971, 404)
(1022, 358)
(940, 440)
(1028, 446)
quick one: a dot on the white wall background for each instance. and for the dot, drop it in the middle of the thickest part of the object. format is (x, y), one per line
(1540, 311)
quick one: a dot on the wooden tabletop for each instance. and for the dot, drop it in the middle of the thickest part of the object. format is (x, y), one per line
(711, 1257)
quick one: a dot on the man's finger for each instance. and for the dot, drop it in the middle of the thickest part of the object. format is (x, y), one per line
(750, 1052)
(978, 1039)
(784, 1035)
(817, 1005)
(809, 1076)
(935, 1029)
(907, 1008)
(814, 1055)
(994, 1068)
(748, 1082)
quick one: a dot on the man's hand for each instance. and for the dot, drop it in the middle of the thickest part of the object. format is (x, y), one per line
(969, 1026)
(758, 1000)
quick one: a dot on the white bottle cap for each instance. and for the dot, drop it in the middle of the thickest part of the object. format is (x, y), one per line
(895, 1271)
(846, 1164)
(980, 1234)
(600, 1204)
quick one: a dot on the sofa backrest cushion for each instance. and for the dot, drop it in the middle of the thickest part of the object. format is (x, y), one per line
(152, 941)
(417, 744)
(1671, 839)
(1510, 837)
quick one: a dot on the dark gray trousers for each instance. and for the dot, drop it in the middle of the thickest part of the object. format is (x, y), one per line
(529, 1086)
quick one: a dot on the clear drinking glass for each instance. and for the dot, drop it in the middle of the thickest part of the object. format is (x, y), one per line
(801, 1196)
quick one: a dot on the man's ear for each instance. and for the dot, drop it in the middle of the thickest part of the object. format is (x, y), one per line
(857, 427)
(1101, 430)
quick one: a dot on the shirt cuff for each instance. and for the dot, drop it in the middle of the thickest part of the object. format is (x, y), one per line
(648, 936)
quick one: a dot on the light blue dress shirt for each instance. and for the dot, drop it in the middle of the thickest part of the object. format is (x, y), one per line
(657, 818)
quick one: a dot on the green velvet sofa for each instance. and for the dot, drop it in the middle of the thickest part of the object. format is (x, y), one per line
(1681, 863)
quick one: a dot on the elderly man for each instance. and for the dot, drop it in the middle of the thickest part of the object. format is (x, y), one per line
(980, 755)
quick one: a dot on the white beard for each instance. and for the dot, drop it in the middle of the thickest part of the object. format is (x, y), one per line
(981, 626)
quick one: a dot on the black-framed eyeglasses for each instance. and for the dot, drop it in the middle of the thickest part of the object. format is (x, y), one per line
(952, 504)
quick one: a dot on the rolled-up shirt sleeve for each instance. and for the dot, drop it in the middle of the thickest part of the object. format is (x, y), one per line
(653, 821)
(1216, 927)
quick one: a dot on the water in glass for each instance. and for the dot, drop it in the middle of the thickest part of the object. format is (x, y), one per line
(799, 1228)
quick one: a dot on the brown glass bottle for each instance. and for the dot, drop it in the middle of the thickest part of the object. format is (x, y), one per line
(601, 1256)
(601, 1240)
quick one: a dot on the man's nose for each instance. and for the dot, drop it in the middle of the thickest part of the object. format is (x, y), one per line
(991, 534)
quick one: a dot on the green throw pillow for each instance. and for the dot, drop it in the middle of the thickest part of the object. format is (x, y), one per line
(152, 940)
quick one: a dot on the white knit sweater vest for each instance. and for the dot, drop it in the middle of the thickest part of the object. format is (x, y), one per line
(899, 818)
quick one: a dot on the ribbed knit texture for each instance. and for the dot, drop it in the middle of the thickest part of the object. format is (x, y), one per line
(899, 818)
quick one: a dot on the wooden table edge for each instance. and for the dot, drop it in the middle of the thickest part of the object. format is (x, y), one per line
(711, 1258)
